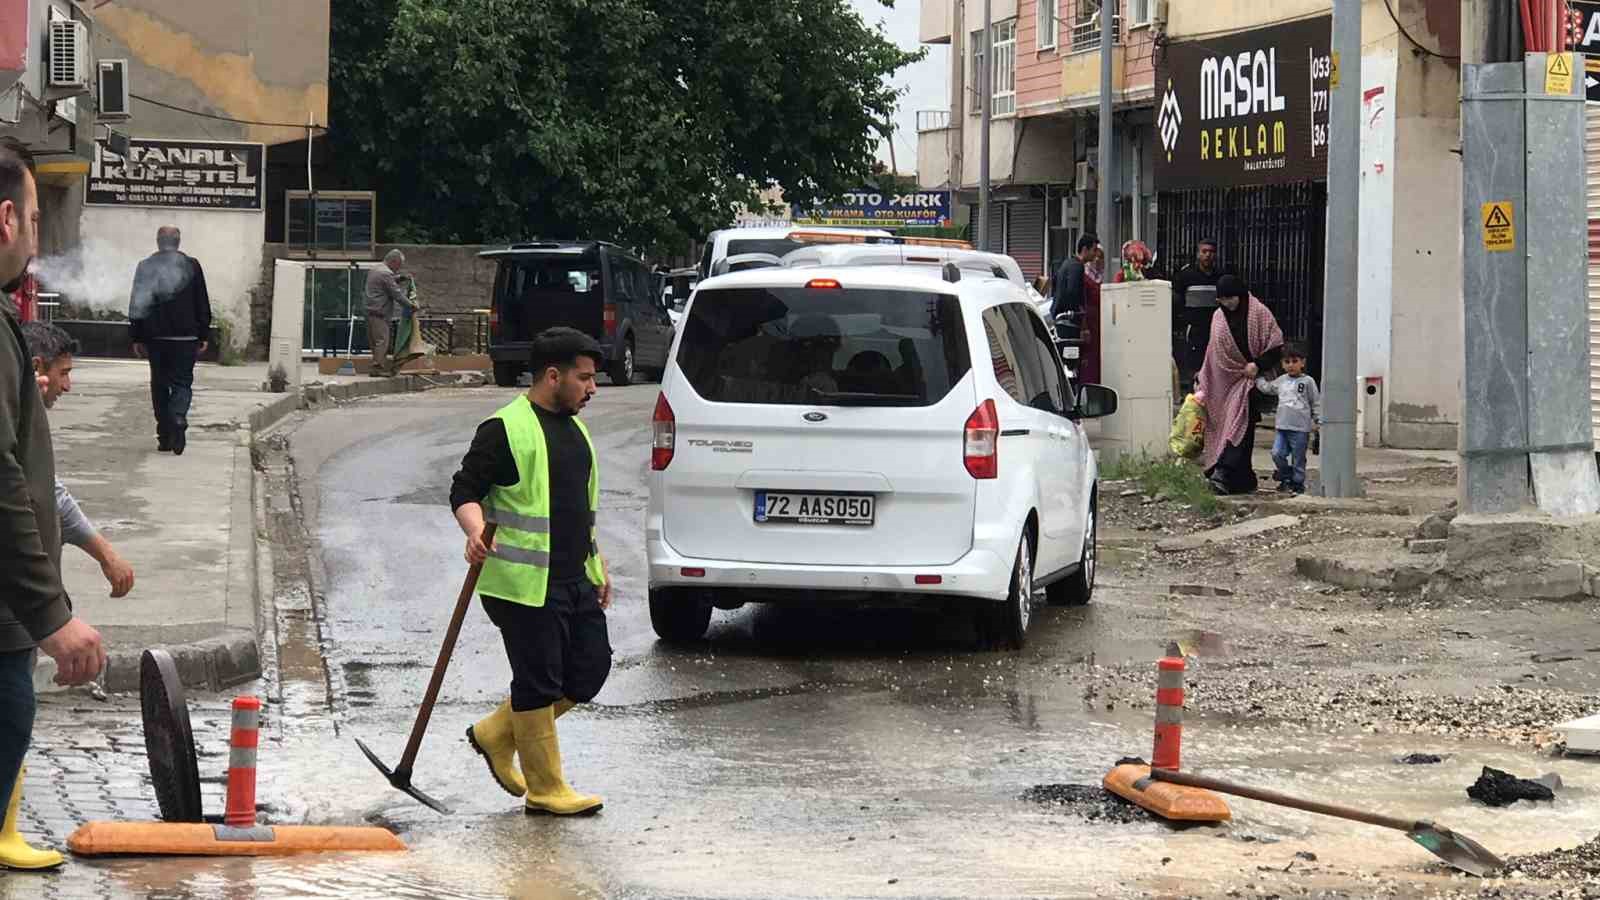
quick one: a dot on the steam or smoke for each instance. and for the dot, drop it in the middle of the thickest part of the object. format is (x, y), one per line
(157, 279)
(83, 278)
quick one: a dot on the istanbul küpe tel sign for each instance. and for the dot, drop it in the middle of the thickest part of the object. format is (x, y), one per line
(1247, 108)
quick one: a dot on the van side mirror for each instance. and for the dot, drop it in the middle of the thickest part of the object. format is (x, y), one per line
(1095, 401)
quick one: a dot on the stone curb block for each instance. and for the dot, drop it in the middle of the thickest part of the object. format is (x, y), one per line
(1364, 575)
(216, 664)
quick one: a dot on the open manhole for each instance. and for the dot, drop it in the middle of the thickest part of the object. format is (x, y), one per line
(168, 739)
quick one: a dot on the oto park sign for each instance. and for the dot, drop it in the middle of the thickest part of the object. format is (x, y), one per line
(872, 208)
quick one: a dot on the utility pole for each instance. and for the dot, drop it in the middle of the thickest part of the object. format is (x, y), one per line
(1342, 272)
(1105, 217)
(985, 92)
(955, 138)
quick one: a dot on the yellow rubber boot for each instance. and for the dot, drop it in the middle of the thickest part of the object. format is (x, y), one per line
(14, 851)
(540, 753)
(492, 737)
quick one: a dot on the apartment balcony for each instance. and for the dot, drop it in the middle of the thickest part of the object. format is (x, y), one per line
(934, 136)
(937, 22)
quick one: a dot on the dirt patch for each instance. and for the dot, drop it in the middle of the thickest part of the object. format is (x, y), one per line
(1089, 802)
(1580, 863)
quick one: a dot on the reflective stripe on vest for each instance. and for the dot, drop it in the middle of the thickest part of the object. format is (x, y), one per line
(518, 568)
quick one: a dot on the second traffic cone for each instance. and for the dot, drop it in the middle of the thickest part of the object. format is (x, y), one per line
(539, 751)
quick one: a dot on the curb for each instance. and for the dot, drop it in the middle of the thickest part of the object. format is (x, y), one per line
(218, 663)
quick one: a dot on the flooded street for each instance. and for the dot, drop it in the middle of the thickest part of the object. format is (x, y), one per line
(843, 753)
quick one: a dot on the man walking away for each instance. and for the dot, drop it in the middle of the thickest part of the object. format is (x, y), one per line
(52, 350)
(532, 470)
(34, 609)
(1069, 292)
(1194, 298)
(384, 299)
(170, 314)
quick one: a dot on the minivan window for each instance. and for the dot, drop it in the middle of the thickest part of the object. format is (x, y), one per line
(821, 347)
(775, 246)
(534, 293)
(1020, 363)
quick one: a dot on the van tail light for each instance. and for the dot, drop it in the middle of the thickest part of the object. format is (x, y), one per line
(823, 284)
(983, 442)
(494, 324)
(610, 318)
(664, 435)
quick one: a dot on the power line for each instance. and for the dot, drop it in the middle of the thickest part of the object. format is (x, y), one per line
(1407, 34)
(206, 115)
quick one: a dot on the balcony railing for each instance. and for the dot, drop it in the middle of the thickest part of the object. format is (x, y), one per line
(932, 120)
(1086, 29)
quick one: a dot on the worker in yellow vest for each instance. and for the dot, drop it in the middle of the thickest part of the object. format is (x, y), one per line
(532, 471)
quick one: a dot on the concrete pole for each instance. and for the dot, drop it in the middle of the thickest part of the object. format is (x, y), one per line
(958, 99)
(1105, 179)
(985, 97)
(1342, 259)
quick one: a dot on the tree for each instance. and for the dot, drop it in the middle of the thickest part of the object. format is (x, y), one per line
(649, 122)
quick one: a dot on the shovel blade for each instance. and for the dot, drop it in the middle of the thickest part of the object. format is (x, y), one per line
(1458, 850)
(402, 781)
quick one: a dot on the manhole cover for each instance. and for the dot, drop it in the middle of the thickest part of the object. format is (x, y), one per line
(168, 740)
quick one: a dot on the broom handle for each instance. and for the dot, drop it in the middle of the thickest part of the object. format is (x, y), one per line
(1266, 796)
(414, 744)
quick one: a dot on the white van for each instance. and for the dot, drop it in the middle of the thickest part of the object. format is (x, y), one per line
(774, 240)
(870, 433)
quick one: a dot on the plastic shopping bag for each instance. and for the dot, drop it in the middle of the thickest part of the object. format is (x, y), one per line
(1188, 436)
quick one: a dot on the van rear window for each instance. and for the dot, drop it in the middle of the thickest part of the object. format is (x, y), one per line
(820, 347)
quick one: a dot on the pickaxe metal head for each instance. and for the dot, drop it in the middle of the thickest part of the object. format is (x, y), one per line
(402, 781)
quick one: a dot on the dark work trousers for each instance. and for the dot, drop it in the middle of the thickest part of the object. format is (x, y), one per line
(561, 649)
(16, 716)
(171, 385)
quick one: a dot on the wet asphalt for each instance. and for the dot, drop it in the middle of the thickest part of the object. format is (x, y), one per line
(794, 753)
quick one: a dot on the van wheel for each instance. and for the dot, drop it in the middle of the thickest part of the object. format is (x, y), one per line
(622, 371)
(1008, 622)
(1076, 589)
(679, 616)
(506, 374)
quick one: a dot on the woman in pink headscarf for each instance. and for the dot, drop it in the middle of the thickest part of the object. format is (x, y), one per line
(1245, 341)
(1136, 257)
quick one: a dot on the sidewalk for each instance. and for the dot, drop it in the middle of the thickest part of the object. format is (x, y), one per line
(185, 523)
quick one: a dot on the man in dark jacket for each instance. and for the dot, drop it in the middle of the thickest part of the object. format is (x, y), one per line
(1194, 299)
(34, 608)
(171, 317)
(1069, 278)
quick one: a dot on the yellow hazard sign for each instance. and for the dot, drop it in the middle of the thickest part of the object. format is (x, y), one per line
(1558, 74)
(1499, 228)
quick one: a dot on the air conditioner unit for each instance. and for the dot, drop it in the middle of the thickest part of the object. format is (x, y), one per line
(1084, 180)
(113, 89)
(69, 54)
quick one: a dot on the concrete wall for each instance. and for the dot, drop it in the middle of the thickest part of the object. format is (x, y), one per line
(227, 244)
(451, 279)
(263, 60)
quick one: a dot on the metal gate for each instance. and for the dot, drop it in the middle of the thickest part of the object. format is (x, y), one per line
(1271, 236)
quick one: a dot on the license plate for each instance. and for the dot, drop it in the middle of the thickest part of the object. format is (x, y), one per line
(1070, 352)
(815, 509)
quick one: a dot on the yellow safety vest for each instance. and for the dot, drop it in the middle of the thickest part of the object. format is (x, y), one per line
(518, 568)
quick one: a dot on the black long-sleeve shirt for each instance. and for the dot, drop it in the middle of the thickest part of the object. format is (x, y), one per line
(1068, 288)
(489, 462)
(170, 301)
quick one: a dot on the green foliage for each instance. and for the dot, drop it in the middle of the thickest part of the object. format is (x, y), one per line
(1176, 480)
(644, 121)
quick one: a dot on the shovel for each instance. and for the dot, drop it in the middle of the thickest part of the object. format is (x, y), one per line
(1458, 850)
(400, 776)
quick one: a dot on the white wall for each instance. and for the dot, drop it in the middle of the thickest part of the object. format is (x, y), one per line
(1377, 213)
(228, 245)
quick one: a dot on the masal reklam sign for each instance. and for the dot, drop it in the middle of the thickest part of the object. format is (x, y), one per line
(1246, 108)
(182, 174)
(869, 207)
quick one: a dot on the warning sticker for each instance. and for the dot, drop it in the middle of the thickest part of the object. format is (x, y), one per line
(1499, 230)
(1558, 74)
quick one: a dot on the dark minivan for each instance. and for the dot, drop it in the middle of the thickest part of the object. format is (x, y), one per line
(593, 286)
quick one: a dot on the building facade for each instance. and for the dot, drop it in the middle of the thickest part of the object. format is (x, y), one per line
(1044, 160)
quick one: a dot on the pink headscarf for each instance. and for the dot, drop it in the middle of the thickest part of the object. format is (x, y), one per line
(1223, 379)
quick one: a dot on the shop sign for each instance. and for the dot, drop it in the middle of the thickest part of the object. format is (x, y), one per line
(1247, 108)
(181, 174)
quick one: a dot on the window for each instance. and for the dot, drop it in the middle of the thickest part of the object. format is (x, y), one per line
(1003, 71)
(1139, 10)
(1055, 375)
(1086, 26)
(1005, 68)
(1049, 23)
(798, 346)
(1003, 353)
(1027, 369)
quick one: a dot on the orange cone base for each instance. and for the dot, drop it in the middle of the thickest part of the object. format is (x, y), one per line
(199, 839)
(1175, 802)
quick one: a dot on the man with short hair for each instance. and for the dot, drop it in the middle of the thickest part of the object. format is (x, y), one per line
(384, 298)
(52, 350)
(35, 611)
(1194, 298)
(170, 319)
(1069, 292)
(532, 470)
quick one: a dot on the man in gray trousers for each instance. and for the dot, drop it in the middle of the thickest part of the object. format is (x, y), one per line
(384, 298)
